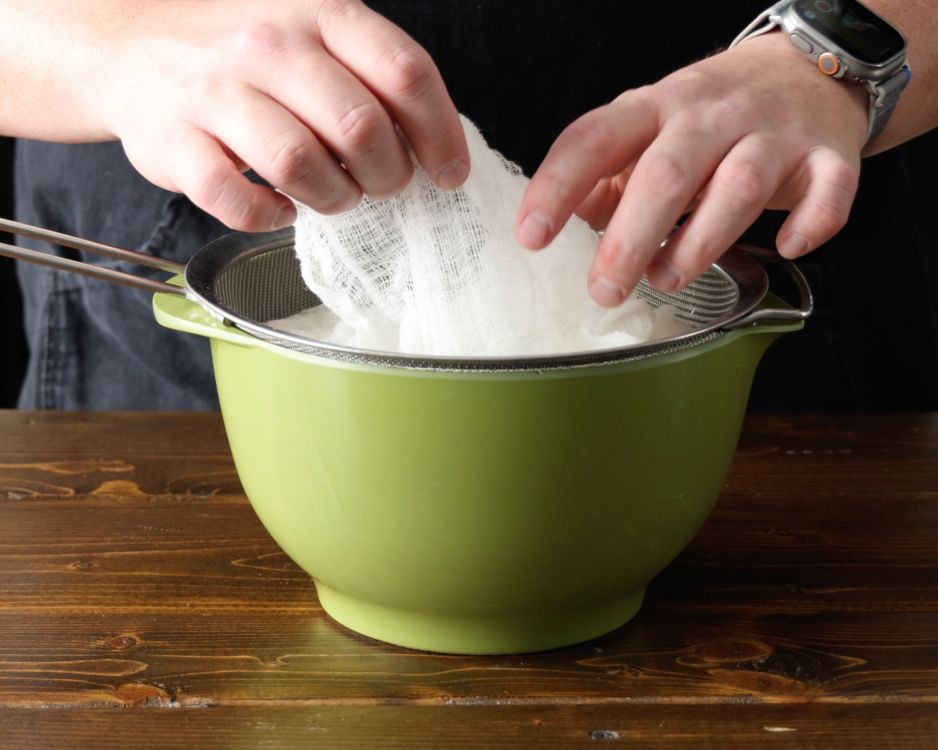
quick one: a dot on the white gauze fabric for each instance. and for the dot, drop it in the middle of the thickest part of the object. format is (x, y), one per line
(438, 272)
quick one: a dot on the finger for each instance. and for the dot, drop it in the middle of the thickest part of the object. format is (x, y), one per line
(284, 152)
(737, 194)
(404, 77)
(345, 116)
(665, 180)
(598, 145)
(198, 166)
(825, 206)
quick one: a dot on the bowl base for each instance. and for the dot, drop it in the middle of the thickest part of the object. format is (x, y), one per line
(454, 634)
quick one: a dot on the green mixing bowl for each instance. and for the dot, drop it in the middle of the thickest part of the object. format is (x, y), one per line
(480, 511)
(463, 505)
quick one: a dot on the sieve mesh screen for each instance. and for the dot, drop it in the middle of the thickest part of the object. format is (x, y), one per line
(264, 283)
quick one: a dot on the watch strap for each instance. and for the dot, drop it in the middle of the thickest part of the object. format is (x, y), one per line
(767, 20)
(883, 99)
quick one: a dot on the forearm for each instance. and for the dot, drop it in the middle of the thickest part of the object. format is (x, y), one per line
(322, 98)
(54, 63)
(917, 110)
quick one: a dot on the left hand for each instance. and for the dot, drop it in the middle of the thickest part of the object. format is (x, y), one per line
(750, 128)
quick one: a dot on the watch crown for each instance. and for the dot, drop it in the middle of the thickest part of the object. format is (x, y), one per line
(829, 64)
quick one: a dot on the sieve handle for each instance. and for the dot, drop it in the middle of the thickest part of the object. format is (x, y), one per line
(777, 314)
(87, 269)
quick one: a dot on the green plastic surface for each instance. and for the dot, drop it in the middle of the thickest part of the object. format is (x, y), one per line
(480, 512)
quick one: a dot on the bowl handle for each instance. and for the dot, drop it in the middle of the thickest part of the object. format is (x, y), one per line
(180, 313)
(771, 314)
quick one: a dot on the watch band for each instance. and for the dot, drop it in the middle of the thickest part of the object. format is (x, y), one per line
(767, 20)
(883, 99)
(884, 95)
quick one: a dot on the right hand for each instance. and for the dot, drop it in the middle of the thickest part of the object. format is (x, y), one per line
(720, 140)
(322, 98)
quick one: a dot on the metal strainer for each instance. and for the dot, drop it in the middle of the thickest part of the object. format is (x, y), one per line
(246, 280)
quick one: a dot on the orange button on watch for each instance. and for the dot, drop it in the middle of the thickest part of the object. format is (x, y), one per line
(829, 64)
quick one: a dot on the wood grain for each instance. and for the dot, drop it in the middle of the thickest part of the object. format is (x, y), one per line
(598, 727)
(134, 574)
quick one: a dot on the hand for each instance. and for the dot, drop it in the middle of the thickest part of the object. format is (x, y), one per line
(751, 128)
(322, 98)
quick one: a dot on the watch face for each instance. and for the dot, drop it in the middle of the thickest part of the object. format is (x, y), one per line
(854, 28)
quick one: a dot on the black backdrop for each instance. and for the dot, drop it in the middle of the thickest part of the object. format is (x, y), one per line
(12, 344)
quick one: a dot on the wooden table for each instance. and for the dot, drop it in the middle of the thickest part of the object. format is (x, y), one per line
(143, 604)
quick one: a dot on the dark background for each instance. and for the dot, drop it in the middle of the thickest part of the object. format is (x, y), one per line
(546, 64)
(12, 343)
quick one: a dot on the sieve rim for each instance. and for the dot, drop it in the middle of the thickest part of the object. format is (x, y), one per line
(736, 266)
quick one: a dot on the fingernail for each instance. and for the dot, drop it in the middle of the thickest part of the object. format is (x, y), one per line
(663, 276)
(453, 174)
(607, 293)
(793, 246)
(534, 230)
(286, 216)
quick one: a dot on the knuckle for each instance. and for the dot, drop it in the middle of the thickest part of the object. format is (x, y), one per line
(410, 72)
(361, 127)
(243, 216)
(720, 116)
(828, 217)
(591, 135)
(209, 83)
(339, 202)
(620, 261)
(644, 99)
(698, 85)
(746, 181)
(394, 183)
(246, 216)
(831, 210)
(259, 38)
(327, 11)
(218, 194)
(449, 139)
(212, 187)
(666, 177)
(843, 178)
(553, 185)
(690, 79)
(294, 161)
(695, 258)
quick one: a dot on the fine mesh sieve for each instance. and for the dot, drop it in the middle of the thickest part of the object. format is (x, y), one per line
(246, 280)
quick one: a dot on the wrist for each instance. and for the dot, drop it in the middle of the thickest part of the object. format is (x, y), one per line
(845, 104)
(846, 41)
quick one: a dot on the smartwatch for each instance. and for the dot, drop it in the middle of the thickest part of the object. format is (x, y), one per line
(845, 40)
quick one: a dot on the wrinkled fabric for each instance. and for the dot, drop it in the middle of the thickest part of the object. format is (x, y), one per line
(96, 345)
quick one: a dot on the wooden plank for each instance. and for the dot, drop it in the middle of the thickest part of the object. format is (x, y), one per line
(72, 454)
(200, 658)
(459, 727)
(795, 457)
(132, 571)
(848, 554)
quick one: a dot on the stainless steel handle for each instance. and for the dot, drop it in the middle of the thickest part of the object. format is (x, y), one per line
(776, 314)
(87, 269)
